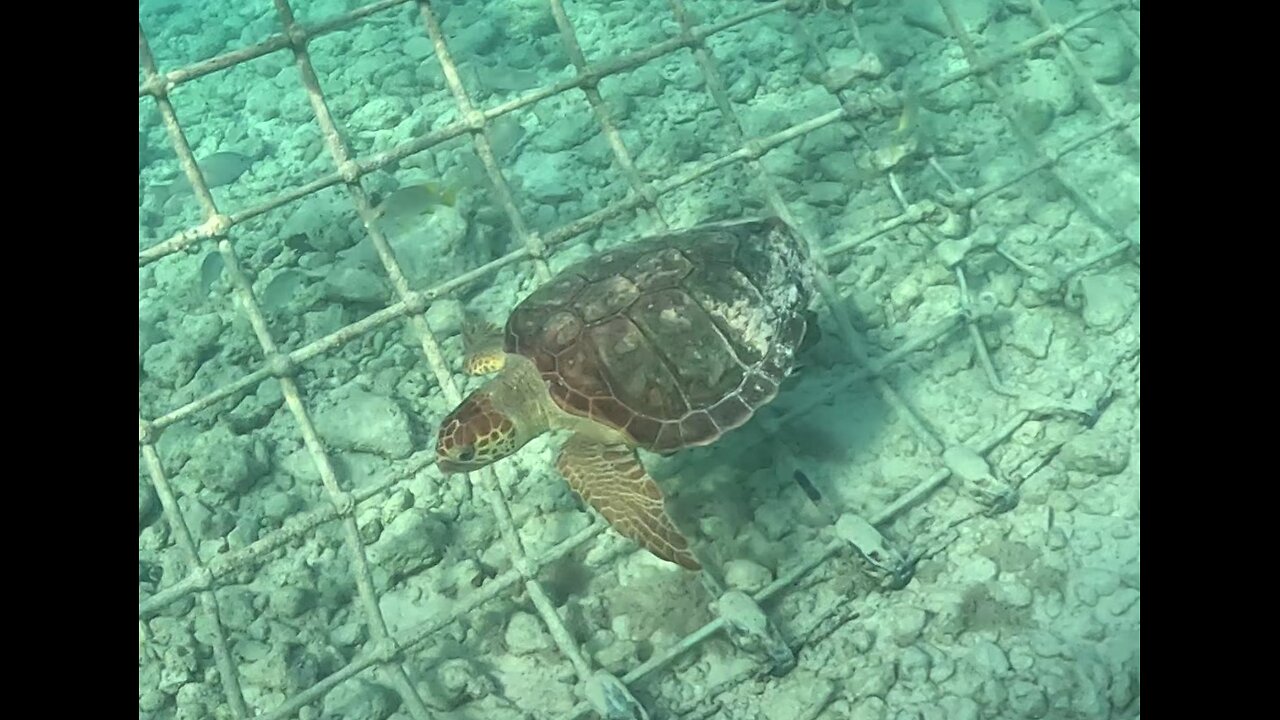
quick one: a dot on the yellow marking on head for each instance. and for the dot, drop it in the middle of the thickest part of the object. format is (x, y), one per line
(482, 343)
(484, 363)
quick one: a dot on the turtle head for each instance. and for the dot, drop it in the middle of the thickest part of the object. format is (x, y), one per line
(479, 432)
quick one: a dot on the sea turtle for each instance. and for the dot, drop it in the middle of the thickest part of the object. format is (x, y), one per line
(663, 343)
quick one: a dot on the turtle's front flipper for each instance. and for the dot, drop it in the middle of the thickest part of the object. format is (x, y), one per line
(482, 345)
(611, 479)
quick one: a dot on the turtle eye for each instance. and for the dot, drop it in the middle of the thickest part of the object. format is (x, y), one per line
(467, 454)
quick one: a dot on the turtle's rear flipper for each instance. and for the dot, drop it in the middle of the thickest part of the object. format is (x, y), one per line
(611, 479)
(812, 335)
(482, 345)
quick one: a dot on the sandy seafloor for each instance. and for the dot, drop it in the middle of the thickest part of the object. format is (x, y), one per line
(1033, 613)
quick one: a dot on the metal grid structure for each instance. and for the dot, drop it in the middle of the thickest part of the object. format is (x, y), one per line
(739, 615)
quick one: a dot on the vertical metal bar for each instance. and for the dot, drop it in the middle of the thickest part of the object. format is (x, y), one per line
(826, 288)
(1025, 138)
(488, 478)
(477, 123)
(590, 88)
(222, 659)
(1082, 73)
(177, 524)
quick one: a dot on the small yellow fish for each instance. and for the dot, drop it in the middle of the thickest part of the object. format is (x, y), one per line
(910, 111)
(414, 200)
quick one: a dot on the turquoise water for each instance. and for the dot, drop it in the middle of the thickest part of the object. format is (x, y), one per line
(937, 516)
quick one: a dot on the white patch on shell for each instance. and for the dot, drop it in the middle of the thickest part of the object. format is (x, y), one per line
(625, 344)
(671, 317)
(784, 288)
(755, 323)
